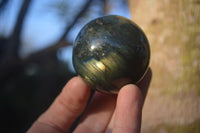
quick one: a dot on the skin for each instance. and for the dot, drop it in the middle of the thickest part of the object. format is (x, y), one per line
(107, 113)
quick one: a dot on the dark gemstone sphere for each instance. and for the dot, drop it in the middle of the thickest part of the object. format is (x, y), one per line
(110, 52)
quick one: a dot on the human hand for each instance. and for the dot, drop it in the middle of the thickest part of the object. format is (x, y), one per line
(107, 113)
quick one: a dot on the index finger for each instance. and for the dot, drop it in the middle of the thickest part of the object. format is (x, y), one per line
(65, 109)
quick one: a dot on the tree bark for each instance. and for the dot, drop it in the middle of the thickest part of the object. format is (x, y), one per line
(172, 28)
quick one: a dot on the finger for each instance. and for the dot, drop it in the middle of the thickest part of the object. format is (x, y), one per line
(98, 115)
(127, 117)
(144, 83)
(110, 124)
(65, 109)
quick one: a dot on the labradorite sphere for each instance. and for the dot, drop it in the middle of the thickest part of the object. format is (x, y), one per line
(110, 52)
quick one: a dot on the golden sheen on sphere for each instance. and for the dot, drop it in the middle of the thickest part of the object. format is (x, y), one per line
(110, 52)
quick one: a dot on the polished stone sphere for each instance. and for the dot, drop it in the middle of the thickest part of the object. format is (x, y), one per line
(110, 52)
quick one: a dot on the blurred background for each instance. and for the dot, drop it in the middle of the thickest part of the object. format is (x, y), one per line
(36, 39)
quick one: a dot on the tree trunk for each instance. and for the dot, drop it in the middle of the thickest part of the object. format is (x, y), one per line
(173, 30)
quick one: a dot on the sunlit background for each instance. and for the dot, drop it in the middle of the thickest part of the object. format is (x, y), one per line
(36, 38)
